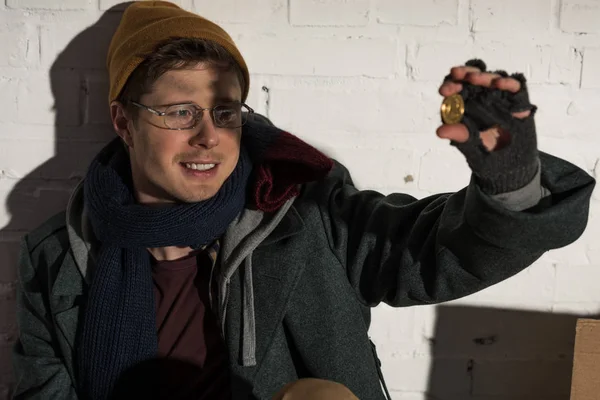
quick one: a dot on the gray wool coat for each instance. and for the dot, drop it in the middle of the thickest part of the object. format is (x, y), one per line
(314, 270)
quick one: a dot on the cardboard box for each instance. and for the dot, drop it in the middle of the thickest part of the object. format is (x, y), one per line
(585, 383)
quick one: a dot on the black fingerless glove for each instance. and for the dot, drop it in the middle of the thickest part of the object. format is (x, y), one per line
(514, 162)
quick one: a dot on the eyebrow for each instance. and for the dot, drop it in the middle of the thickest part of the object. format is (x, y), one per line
(217, 100)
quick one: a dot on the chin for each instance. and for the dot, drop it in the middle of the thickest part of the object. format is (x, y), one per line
(196, 196)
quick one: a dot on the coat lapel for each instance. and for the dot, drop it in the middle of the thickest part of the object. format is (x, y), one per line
(68, 287)
(67, 291)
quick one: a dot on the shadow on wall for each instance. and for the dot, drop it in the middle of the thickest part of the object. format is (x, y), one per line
(79, 84)
(494, 354)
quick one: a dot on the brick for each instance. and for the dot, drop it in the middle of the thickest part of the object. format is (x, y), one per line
(71, 162)
(329, 13)
(21, 202)
(565, 65)
(536, 378)
(7, 289)
(8, 319)
(563, 112)
(20, 45)
(109, 4)
(577, 121)
(596, 192)
(75, 46)
(590, 78)
(580, 16)
(246, 11)
(375, 168)
(321, 56)
(366, 111)
(510, 15)
(51, 101)
(8, 101)
(414, 376)
(443, 169)
(6, 368)
(384, 162)
(594, 256)
(52, 5)
(428, 13)
(259, 94)
(553, 108)
(426, 65)
(397, 329)
(97, 110)
(533, 61)
(9, 259)
(576, 284)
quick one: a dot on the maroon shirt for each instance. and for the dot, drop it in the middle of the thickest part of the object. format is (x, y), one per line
(188, 332)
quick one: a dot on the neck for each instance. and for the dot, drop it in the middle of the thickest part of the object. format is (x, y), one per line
(170, 253)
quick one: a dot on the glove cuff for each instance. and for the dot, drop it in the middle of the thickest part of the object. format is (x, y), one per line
(506, 174)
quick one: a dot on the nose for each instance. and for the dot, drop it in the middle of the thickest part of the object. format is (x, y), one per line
(207, 135)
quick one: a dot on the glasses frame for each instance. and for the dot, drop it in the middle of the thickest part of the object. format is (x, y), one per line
(199, 116)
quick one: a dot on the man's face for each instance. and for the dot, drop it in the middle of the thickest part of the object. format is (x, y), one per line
(177, 165)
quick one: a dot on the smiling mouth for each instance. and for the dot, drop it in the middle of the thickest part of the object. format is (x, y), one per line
(198, 166)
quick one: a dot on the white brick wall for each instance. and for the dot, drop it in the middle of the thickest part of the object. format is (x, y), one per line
(359, 79)
(329, 13)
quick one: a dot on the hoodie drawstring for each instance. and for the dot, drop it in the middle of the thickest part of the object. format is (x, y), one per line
(249, 328)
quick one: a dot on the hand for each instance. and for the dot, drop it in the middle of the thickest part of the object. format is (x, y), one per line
(473, 75)
(497, 132)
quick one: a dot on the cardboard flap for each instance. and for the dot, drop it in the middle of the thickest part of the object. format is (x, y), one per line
(585, 384)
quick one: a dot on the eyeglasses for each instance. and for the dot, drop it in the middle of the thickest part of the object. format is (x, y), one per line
(186, 116)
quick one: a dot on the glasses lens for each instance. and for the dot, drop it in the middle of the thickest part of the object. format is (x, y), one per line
(230, 116)
(181, 116)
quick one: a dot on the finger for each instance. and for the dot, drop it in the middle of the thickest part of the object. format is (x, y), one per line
(509, 84)
(484, 79)
(450, 88)
(522, 114)
(489, 138)
(459, 73)
(456, 132)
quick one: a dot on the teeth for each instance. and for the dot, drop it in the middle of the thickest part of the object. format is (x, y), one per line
(200, 167)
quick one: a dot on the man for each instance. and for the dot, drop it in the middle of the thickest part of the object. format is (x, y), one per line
(208, 254)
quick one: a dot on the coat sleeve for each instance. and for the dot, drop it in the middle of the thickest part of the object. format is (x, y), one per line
(38, 364)
(405, 251)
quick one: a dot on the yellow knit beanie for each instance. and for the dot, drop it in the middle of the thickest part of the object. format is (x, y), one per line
(147, 23)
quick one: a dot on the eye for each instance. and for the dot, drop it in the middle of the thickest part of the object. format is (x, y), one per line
(182, 112)
(226, 114)
(180, 116)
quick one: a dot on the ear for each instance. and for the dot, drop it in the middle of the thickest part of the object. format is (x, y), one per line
(121, 122)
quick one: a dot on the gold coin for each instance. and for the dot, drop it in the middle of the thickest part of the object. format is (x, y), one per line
(453, 109)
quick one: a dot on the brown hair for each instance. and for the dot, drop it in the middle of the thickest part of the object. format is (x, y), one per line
(177, 53)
